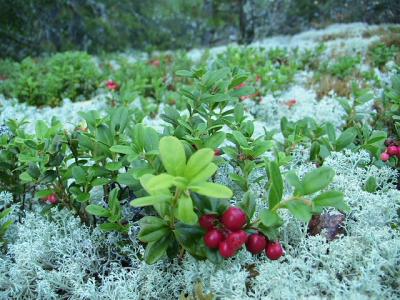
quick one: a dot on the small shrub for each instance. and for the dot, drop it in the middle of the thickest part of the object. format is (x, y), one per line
(72, 75)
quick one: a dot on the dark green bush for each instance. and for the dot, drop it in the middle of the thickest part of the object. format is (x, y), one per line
(72, 75)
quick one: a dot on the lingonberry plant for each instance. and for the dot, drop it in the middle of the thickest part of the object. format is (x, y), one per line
(170, 194)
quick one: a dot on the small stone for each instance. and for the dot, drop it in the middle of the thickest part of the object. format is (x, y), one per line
(332, 224)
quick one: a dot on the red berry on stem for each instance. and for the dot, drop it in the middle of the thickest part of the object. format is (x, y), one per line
(226, 250)
(385, 156)
(274, 250)
(52, 199)
(234, 218)
(392, 150)
(208, 221)
(213, 238)
(237, 239)
(217, 152)
(256, 243)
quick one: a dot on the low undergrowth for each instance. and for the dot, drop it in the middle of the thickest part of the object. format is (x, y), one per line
(220, 179)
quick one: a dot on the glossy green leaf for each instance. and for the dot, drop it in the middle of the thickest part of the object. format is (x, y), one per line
(331, 199)
(97, 210)
(160, 182)
(185, 211)
(205, 174)
(300, 210)
(156, 250)
(173, 155)
(275, 184)
(198, 161)
(248, 204)
(345, 139)
(150, 200)
(317, 180)
(211, 190)
(270, 218)
(79, 174)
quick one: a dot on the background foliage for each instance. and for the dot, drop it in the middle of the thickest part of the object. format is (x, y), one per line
(29, 27)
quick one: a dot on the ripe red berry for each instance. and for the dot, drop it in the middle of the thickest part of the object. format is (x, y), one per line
(226, 250)
(274, 250)
(256, 243)
(208, 221)
(234, 218)
(392, 150)
(52, 199)
(385, 156)
(213, 238)
(217, 152)
(112, 85)
(237, 239)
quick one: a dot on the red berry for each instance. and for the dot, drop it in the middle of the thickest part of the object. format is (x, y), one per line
(207, 221)
(112, 85)
(237, 239)
(217, 152)
(226, 250)
(274, 250)
(234, 218)
(213, 238)
(52, 199)
(385, 156)
(256, 243)
(392, 150)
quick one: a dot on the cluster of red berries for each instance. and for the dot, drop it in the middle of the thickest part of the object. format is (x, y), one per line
(227, 235)
(391, 150)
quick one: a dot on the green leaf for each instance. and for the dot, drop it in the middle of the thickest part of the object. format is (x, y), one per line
(215, 140)
(173, 156)
(370, 185)
(184, 73)
(270, 218)
(317, 179)
(25, 177)
(185, 211)
(248, 204)
(152, 229)
(159, 182)
(198, 161)
(83, 197)
(211, 190)
(107, 227)
(113, 166)
(79, 174)
(97, 210)
(345, 139)
(43, 193)
(151, 139)
(150, 200)
(275, 184)
(294, 181)
(332, 199)
(122, 149)
(119, 118)
(156, 250)
(238, 79)
(100, 181)
(244, 91)
(240, 138)
(299, 209)
(204, 174)
(41, 129)
(331, 131)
